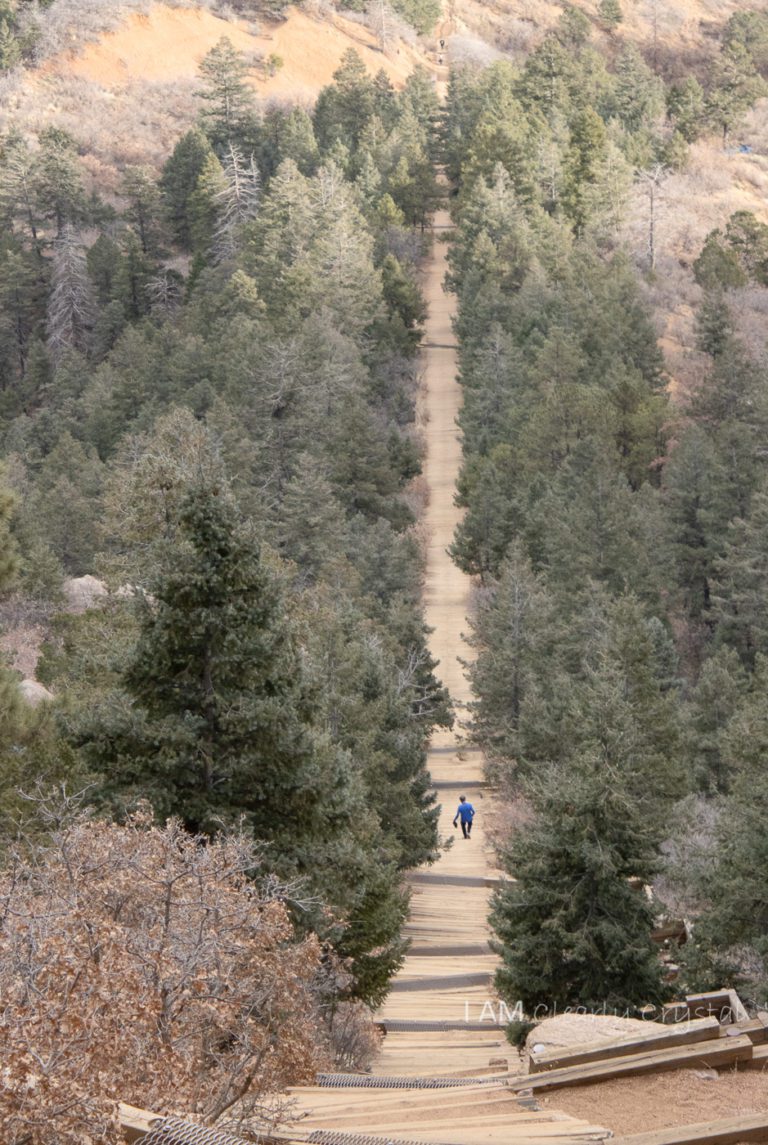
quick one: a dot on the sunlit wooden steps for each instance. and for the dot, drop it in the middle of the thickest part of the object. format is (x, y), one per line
(467, 1115)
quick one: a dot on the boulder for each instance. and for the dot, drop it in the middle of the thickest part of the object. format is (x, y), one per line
(567, 1030)
(82, 592)
(34, 692)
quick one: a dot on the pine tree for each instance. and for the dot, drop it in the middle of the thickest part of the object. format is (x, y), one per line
(203, 206)
(573, 929)
(610, 14)
(714, 324)
(740, 588)
(144, 207)
(736, 87)
(344, 108)
(585, 156)
(179, 180)
(230, 115)
(223, 718)
(638, 97)
(685, 106)
(512, 634)
(735, 920)
(58, 181)
(717, 694)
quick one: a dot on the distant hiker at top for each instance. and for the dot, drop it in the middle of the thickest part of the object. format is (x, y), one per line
(466, 812)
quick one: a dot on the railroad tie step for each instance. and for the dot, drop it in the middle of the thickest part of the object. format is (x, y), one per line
(435, 879)
(440, 982)
(471, 950)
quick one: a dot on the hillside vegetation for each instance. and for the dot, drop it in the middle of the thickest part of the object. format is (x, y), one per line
(209, 339)
(208, 399)
(620, 672)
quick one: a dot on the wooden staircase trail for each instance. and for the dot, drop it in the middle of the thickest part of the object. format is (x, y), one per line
(433, 1080)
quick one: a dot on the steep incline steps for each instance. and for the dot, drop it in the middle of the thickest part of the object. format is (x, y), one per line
(440, 1017)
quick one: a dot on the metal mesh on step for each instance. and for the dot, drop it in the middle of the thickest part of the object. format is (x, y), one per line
(332, 1137)
(172, 1131)
(368, 1081)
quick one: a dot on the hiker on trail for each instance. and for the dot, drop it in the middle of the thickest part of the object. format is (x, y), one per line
(466, 812)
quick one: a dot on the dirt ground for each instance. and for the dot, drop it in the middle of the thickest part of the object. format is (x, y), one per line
(167, 44)
(658, 1101)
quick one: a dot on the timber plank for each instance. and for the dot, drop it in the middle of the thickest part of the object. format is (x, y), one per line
(716, 1053)
(698, 1030)
(724, 1131)
(759, 1059)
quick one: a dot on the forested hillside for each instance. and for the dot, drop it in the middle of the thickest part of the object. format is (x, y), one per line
(212, 544)
(208, 388)
(616, 535)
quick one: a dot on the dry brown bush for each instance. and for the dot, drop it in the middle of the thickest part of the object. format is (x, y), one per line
(355, 1039)
(139, 962)
(151, 117)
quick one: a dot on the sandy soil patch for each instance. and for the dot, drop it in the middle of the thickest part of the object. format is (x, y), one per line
(167, 45)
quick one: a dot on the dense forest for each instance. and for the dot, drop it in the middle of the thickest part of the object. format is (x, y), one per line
(208, 400)
(208, 382)
(618, 536)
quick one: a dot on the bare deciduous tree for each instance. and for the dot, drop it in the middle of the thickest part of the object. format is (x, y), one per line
(143, 963)
(71, 305)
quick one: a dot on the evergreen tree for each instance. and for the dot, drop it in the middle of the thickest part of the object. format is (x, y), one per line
(610, 14)
(512, 634)
(717, 694)
(344, 108)
(573, 928)
(736, 87)
(229, 117)
(735, 920)
(221, 718)
(58, 181)
(717, 265)
(714, 324)
(585, 156)
(144, 208)
(685, 106)
(740, 589)
(638, 95)
(179, 181)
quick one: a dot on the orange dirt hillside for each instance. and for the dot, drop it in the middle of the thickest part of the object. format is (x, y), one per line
(167, 44)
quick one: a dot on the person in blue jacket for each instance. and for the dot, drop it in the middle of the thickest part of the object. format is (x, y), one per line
(466, 812)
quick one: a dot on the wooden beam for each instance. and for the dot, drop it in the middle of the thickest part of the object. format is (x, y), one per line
(135, 1123)
(759, 1059)
(716, 1053)
(725, 1131)
(717, 1002)
(756, 1029)
(738, 1012)
(656, 1038)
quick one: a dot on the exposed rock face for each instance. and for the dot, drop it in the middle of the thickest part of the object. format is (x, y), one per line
(573, 1029)
(34, 693)
(82, 592)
